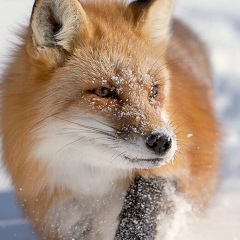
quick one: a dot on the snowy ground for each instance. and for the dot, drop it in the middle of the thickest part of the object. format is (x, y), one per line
(218, 22)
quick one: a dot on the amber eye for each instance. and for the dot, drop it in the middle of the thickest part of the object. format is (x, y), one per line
(154, 91)
(103, 92)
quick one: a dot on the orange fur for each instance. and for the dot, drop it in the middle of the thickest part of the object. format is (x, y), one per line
(35, 86)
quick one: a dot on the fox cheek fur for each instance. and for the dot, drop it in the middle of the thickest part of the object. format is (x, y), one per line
(97, 94)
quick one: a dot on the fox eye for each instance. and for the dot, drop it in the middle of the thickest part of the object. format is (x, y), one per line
(103, 92)
(154, 91)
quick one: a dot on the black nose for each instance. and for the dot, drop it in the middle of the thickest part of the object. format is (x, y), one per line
(159, 143)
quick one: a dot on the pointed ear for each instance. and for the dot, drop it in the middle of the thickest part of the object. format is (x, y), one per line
(153, 17)
(58, 24)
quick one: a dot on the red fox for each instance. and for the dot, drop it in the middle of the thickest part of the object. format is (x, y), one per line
(106, 104)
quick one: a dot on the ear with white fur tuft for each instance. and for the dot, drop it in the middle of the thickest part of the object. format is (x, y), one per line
(156, 17)
(57, 23)
(157, 24)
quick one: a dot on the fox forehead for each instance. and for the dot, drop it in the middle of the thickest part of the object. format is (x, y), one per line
(118, 66)
(115, 52)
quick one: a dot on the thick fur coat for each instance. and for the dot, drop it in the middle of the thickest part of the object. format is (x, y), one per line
(97, 93)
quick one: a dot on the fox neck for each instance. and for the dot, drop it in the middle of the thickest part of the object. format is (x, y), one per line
(91, 180)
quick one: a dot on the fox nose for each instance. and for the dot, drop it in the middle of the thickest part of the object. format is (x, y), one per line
(159, 143)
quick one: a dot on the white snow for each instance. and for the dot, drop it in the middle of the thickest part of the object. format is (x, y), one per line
(218, 23)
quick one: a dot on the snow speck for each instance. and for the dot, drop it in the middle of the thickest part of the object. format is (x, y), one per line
(189, 135)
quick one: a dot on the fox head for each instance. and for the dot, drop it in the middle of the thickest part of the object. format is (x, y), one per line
(97, 85)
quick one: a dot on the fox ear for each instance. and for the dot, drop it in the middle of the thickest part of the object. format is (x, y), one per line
(153, 17)
(57, 23)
